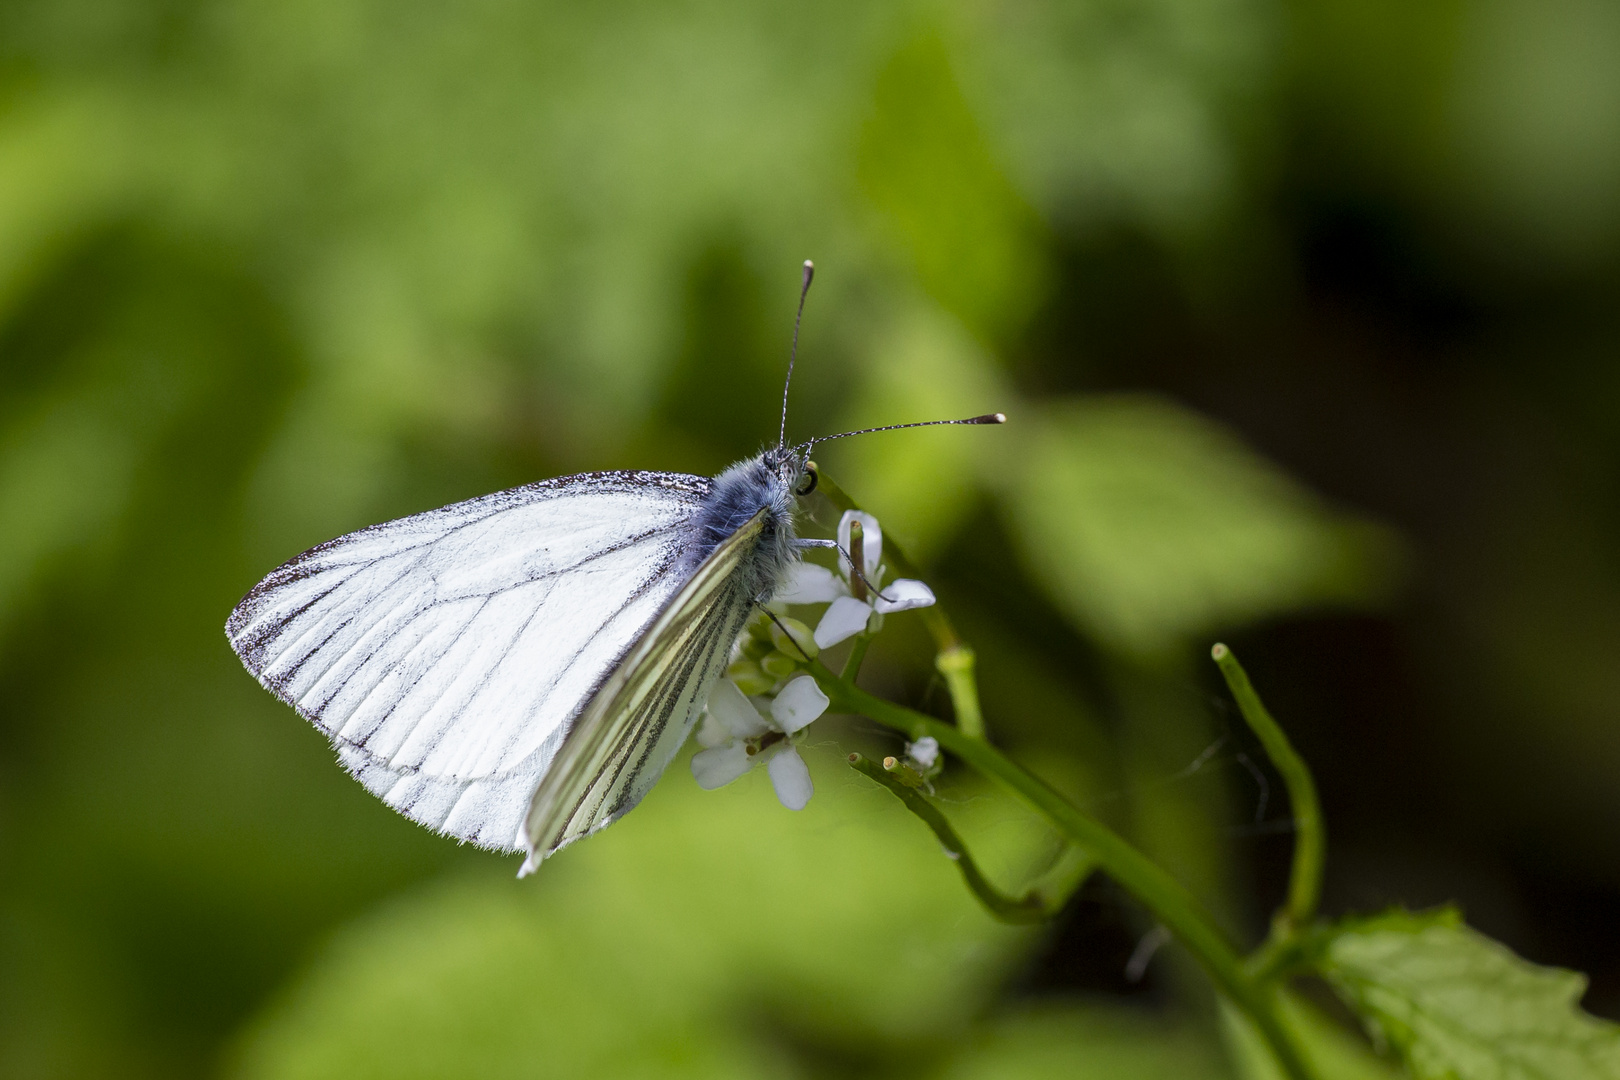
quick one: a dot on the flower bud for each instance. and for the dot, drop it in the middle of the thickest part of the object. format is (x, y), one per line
(802, 644)
(778, 665)
(750, 679)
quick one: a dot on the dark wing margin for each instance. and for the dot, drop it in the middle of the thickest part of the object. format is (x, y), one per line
(637, 721)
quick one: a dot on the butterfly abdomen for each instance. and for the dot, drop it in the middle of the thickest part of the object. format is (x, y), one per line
(731, 502)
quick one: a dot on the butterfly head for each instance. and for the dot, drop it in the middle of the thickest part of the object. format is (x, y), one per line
(792, 468)
(767, 484)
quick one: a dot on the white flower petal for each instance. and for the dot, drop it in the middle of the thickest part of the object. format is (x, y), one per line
(844, 618)
(925, 751)
(719, 767)
(734, 713)
(711, 734)
(800, 702)
(808, 583)
(903, 595)
(791, 778)
(871, 544)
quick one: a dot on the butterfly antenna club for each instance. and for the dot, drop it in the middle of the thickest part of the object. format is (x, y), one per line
(793, 353)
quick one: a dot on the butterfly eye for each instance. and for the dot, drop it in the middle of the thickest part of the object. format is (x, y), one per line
(809, 484)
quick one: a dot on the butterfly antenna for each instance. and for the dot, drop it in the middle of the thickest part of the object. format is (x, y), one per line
(793, 354)
(987, 418)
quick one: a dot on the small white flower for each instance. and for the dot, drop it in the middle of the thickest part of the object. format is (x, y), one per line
(846, 615)
(923, 753)
(790, 776)
(736, 736)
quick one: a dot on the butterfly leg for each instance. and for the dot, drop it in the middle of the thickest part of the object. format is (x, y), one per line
(785, 631)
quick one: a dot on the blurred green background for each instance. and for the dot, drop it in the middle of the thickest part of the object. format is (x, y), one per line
(1305, 317)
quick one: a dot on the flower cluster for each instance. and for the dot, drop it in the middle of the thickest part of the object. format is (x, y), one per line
(736, 735)
(765, 701)
(855, 602)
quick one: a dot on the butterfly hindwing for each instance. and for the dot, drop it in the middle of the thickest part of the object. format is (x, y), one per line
(643, 713)
(446, 655)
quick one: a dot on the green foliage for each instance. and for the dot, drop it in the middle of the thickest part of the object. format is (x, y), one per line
(1150, 525)
(708, 930)
(930, 481)
(273, 270)
(1458, 1006)
(1086, 1043)
(926, 165)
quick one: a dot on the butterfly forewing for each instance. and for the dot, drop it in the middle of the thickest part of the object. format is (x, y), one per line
(446, 654)
(644, 712)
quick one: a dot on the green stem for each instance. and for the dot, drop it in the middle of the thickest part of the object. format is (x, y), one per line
(956, 664)
(1029, 908)
(1165, 897)
(1310, 847)
(857, 653)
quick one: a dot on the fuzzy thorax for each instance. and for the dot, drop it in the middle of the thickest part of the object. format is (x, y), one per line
(764, 483)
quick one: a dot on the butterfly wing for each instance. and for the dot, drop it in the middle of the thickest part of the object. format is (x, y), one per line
(642, 714)
(447, 655)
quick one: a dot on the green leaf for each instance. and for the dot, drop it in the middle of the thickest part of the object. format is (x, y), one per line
(1458, 1006)
(927, 166)
(1150, 524)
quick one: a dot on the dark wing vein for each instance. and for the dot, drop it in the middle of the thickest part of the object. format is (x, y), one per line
(615, 724)
(662, 704)
(282, 678)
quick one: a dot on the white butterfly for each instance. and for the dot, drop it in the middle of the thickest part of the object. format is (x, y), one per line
(517, 670)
